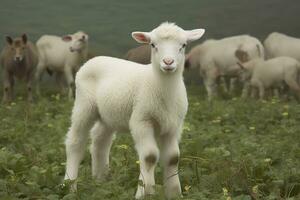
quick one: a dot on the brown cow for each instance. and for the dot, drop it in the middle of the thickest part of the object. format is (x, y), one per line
(141, 54)
(18, 59)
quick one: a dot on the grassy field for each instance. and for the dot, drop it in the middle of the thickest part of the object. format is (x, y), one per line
(233, 149)
(243, 149)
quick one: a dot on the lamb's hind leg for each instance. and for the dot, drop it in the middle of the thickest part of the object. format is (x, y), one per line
(38, 76)
(100, 148)
(211, 88)
(29, 86)
(60, 81)
(83, 118)
(170, 159)
(143, 136)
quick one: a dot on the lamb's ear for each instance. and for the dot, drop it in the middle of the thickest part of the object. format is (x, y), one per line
(9, 40)
(242, 55)
(67, 38)
(24, 38)
(195, 34)
(141, 37)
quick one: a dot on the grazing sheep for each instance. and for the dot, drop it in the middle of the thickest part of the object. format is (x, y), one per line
(18, 59)
(141, 54)
(278, 44)
(62, 55)
(59, 76)
(150, 101)
(216, 59)
(265, 74)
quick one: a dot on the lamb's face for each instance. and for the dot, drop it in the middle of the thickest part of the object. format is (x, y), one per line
(168, 43)
(168, 54)
(77, 41)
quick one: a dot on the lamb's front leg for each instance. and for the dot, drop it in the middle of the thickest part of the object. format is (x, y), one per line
(70, 81)
(170, 159)
(245, 90)
(7, 87)
(143, 136)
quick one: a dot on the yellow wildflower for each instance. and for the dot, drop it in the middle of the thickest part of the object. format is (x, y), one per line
(225, 192)
(123, 146)
(255, 189)
(285, 114)
(187, 188)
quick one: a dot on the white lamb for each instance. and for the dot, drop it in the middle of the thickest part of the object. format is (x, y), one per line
(63, 55)
(216, 59)
(150, 101)
(278, 44)
(265, 74)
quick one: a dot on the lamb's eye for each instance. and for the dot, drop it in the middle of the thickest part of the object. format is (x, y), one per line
(152, 45)
(182, 47)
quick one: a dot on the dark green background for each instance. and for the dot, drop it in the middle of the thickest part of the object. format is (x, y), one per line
(109, 22)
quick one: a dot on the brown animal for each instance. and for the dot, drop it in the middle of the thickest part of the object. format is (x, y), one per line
(139, 54)
(18, 59)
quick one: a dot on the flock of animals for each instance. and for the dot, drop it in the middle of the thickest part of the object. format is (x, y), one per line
(148, 100)
(233, 61)
(22, 59)
(244, 60)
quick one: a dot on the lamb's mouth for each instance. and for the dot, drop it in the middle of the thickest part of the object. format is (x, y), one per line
(75, 50)
(168, 69)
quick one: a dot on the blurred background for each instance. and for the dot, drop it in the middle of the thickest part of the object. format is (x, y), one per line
(110, 22)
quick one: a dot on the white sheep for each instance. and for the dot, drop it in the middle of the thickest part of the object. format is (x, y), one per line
(278, 44)
(63, 55)
(216, 59)
(266, 74)
(150, 101)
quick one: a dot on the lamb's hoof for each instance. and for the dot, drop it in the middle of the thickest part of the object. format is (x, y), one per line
(70, 184)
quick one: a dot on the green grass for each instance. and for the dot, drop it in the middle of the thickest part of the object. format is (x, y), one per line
(250, 148)
(247, 147)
